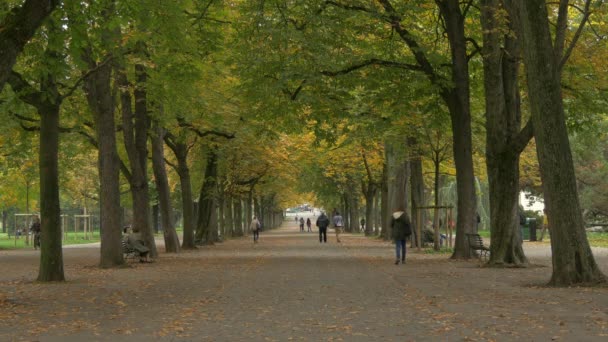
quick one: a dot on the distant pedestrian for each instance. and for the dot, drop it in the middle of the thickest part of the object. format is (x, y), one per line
(301, 224)
(338, 224)
(362, 224)
(309, 224)
(255, 228)
(322, 224)
(401, 230)
(296, 218)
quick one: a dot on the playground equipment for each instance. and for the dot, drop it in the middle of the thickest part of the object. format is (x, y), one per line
(23, 221)
(87, 228)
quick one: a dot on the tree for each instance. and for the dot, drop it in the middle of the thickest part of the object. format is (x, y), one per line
(17, 28)
(573, 261)
(505, 140)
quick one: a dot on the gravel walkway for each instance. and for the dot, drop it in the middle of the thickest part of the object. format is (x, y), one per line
(291, 287)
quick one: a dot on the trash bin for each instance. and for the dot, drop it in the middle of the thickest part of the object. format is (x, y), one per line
(532, 228)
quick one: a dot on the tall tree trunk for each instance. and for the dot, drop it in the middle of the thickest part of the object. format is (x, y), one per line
(503, 120)
(458, 102)
(100, 100)
(51, 256)
(135, 130)
(4, 220)
(248, 210)
(221, 219)
(417, 187)
(573, 261)
(164, 193)
(377, 215)
(18, 27)
(181, 153)
(370, 194)
(238, 217)
(229, 212)
(354, 211)
(207, 217)
(384, 210)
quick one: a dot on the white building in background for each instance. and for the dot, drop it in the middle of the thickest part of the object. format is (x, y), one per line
(530, 202)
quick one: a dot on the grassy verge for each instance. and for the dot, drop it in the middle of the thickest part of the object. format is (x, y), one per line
(7, 242)
(595, 239)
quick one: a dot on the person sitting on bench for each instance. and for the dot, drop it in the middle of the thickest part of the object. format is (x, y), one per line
(135, 241)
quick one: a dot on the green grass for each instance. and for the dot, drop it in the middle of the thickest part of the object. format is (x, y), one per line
(595, 239)
(443, 250)
(71, 239)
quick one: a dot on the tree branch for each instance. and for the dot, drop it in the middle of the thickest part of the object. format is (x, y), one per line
(369, 62)
(577, 35)
(522, 139)
(202, 134)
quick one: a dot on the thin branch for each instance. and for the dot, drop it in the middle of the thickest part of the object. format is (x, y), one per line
(83, 77)
(369, 62)
(202, 134)
(521, 140)
(577, 35)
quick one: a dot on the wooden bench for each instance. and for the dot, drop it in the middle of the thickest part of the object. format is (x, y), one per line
(476, 245)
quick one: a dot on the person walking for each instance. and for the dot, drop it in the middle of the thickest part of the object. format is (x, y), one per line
(322, 224)
(35, 229)
(301, 224)
(255, 228)
(309, 224)
(338, 224)
(402, 229)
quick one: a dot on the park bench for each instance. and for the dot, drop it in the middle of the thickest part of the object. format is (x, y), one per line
(476, 246)
(128, 251)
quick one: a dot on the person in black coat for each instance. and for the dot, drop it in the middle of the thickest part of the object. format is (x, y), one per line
(401, 230)
(323, 223)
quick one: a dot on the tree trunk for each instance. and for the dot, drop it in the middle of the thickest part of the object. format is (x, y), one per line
(384, 210)
(354, 211)
(221, 219)
(100, 100)
(207, 219)
(229, 212)
(164, 193)
(457, 100)
(248, 210)
(503, 120)
(181, 153)
(18, 27)
(238, 217)
(417, 187)
(573, 261)
(370, 195)
(4, 220)
(51, 255)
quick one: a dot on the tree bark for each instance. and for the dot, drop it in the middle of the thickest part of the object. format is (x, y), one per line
(180, 149)
(238, 216)
(384, 210)
(135, 133)
(164, 193)
(51, 255)
(99, 96)
(503, 120)
(207, 217)
(573, 261)
(18, 27)
(229, 212)
(417, 187)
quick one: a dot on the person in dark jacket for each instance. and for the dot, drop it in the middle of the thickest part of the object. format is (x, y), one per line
(401, 230)
(322, 224)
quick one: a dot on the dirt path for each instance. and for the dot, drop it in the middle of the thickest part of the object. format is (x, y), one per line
(290, 287)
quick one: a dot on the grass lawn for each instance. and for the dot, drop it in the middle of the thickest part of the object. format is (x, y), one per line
(595, 239)
(71, 239)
